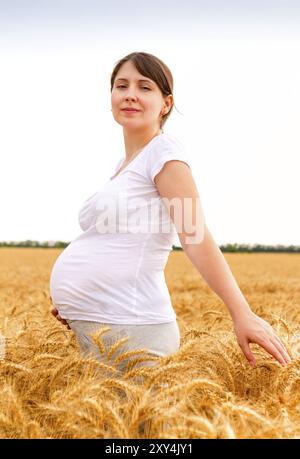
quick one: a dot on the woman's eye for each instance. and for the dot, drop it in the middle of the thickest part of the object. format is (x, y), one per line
(123, 86)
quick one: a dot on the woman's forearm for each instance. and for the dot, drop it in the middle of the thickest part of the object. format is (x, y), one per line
(213, 267)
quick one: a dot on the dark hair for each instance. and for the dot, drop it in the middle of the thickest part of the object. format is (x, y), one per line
(151, 67)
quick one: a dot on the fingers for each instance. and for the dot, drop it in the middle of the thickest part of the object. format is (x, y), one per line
(55, 313)
(63, 321)
(247, 351)
(276, 341)
(272, 348)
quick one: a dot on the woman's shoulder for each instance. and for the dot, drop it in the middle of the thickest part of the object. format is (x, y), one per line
(166, 147)
(166, 141)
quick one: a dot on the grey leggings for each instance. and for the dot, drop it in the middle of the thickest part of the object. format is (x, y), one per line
(157, 339)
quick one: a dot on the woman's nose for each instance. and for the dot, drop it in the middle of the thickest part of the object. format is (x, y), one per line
(130, 94)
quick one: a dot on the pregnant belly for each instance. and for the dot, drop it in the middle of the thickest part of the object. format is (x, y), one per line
(88, 282)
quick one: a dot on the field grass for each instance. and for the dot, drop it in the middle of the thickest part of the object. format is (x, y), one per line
(206, 390)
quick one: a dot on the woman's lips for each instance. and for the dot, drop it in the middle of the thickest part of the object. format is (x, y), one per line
(130, 111)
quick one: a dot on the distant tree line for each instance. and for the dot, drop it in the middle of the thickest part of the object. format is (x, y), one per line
(255, 248)
(224, 248)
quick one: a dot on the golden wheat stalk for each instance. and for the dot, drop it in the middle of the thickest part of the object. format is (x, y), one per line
(116, 346)
(43, 357)
(15, 366)
(128, 354)
(247, 411)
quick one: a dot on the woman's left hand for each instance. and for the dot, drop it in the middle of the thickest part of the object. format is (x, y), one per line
(250, 328)
(54, 311)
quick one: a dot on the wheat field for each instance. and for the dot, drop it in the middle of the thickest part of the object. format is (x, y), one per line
(206, 390)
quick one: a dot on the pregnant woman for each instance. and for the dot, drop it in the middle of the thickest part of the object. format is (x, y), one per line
(112, 274)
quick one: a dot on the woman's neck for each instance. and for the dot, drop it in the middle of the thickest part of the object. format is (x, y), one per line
(135, 141)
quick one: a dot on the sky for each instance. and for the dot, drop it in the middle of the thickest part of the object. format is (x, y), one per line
(236, 73)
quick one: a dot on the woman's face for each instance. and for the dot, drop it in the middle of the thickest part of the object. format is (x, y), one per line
(129, 91)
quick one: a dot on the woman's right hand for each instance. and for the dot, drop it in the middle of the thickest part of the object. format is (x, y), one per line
(54, 311)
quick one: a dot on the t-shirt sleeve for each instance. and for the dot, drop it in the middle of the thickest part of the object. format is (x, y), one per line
(167, 150)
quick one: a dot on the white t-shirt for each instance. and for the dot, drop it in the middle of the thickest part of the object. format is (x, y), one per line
(113, 272)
